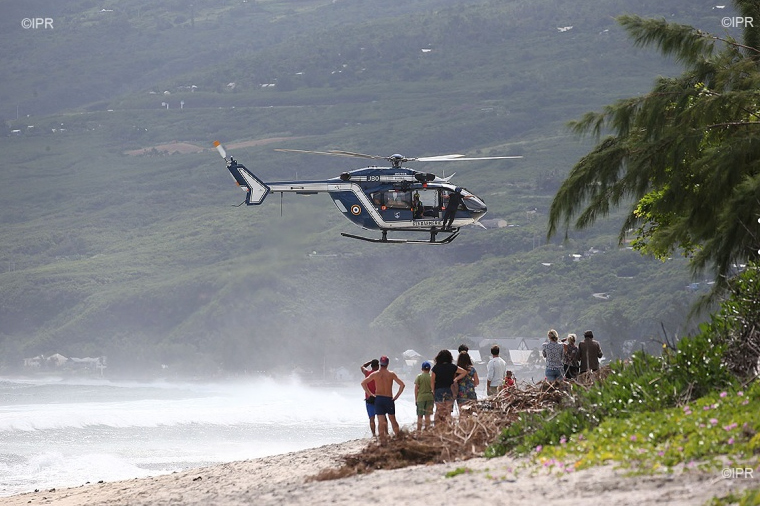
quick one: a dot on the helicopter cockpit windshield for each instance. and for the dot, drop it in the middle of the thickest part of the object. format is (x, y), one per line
(472, 202)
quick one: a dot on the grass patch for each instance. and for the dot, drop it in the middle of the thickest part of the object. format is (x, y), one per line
(720, 429)
(458, 471)
(749, 497)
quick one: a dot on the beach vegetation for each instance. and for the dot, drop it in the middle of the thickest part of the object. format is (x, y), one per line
(697, 401)
(748, 497)
(458, 471)
(717, 430)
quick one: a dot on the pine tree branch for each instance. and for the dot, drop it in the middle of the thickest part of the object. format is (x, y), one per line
(729, 42)
(732, 123)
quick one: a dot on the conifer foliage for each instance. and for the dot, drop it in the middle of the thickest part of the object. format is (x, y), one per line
(687, 154)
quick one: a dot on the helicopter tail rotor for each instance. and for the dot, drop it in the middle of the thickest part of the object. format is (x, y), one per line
(220, 148)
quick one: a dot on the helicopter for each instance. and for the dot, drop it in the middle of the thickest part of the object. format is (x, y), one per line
(388, 199)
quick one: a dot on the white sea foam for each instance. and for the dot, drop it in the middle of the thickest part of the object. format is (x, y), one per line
(264, 401)
(58, 433)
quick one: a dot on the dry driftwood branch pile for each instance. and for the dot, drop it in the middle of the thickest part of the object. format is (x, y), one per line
(459, 438)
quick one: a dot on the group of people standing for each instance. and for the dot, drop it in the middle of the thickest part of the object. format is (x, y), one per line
(437, 386)
(565, 359)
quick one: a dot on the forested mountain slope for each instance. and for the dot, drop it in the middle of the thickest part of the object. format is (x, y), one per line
(119, 233)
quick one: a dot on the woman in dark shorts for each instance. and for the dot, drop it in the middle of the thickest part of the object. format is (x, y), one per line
(442, 378)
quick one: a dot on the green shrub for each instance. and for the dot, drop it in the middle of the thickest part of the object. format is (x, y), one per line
(737, 324)
(717, 431)
(643, 384)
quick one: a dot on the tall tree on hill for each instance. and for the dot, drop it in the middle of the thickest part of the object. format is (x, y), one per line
(687, 154)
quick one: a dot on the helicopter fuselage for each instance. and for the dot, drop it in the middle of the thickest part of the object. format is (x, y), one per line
(400, 199)
(381, 198)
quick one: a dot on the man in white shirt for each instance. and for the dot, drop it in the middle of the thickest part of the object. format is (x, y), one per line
(497, 368)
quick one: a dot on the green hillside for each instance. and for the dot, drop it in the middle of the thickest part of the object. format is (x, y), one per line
(119, 233)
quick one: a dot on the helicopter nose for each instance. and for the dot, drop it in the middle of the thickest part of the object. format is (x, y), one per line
(475, 204)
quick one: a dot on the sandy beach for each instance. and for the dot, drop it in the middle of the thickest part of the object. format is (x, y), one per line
(284, 479)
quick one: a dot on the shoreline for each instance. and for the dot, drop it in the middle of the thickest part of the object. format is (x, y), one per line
(285, 479)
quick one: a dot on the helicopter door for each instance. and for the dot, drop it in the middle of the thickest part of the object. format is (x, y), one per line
(431, 203)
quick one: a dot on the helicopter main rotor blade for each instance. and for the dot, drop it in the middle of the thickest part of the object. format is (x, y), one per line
(220, 148)
(398, 158)
(462, 158)
(438, 158)
(331, 153)
(305, 151)
(358, 155)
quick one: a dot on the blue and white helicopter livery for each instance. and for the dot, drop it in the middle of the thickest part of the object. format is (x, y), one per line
(388, 199)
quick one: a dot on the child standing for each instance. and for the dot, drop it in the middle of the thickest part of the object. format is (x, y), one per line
(509, 380)
(423, 395)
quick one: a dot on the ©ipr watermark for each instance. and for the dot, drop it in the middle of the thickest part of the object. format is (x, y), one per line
(37, 23)
(737, 22)
(732, 473)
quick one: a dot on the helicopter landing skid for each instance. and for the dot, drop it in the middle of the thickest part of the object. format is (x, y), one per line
(384, 238)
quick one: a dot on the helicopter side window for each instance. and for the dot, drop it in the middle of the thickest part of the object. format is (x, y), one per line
(430, 202)
(378, 199)
(398, 199)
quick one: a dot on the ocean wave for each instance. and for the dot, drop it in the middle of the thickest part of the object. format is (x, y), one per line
(260, 402)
